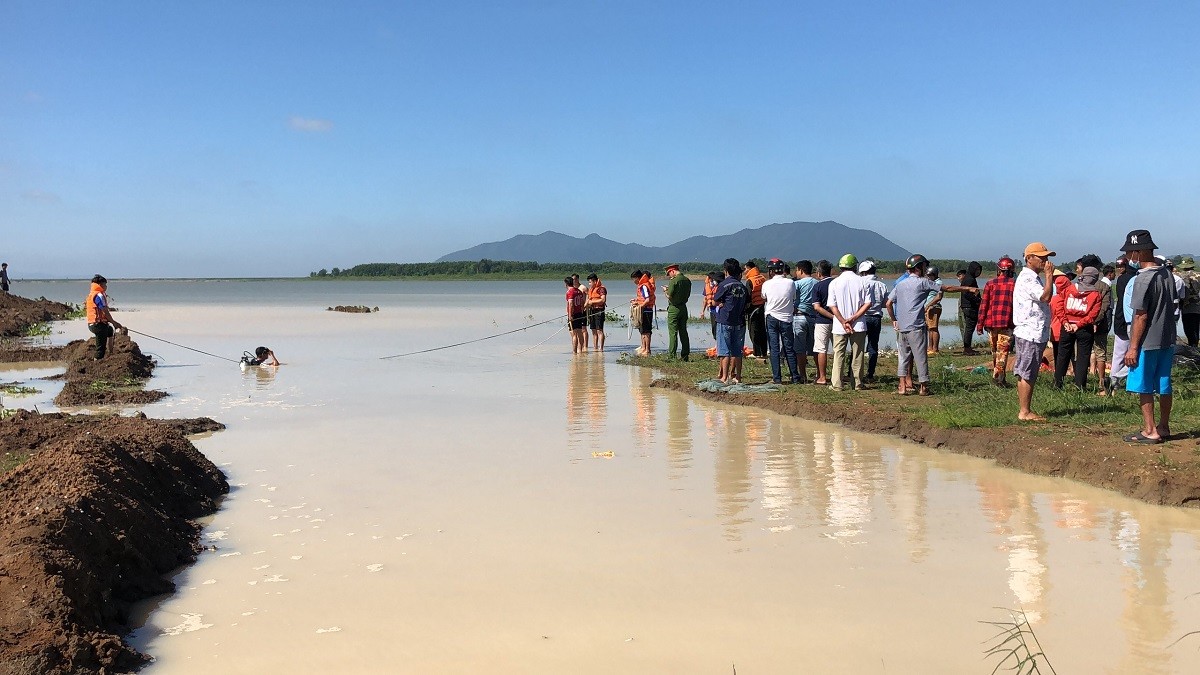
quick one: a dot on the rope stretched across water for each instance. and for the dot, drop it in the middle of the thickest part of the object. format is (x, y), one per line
(459, 344)
(200, 351)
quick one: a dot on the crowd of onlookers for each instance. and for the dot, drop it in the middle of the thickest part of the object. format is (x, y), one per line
(1039, 317)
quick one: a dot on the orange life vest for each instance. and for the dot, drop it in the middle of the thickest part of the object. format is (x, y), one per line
(710, 290)
(647, 283)
(597, 296)
(93, 314)
(756, 280)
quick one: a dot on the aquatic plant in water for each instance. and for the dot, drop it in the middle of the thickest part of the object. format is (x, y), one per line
(1017, 646)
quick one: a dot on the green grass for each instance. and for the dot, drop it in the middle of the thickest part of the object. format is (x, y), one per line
(18, 390)
(106, 385)
(77, 312)
(11, 460)
(39, 329)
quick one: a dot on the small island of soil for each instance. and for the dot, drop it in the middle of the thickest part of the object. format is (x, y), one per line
(352, 309)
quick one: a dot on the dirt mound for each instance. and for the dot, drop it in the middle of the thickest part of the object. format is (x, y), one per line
(117, 379)
(17, 313)
(101, 510)
(352, 309)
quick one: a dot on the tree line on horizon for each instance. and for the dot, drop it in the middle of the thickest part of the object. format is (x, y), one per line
(469, 268)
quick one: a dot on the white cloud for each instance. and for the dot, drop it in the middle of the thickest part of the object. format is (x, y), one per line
(309, 125)
(41, 196)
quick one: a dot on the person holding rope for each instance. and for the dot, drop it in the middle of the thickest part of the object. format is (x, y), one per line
(100, 321)
(642, 306)
(597, 298)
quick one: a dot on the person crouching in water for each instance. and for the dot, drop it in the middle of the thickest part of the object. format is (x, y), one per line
(100, 321)
(262, 357)
(643, 306)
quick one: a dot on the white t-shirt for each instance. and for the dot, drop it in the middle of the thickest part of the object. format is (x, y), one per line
(1031, 316)
(848, 292)
(779, 294)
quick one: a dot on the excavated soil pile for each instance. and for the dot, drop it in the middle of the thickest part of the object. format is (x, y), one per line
(17, 313)
(117, 379)
(89, 524)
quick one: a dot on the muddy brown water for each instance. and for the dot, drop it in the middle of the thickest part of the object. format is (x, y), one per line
(484, 510)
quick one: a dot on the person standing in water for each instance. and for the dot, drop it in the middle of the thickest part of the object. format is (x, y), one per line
(576, 318)
(597, 298)
(643, 308)
(100, 321)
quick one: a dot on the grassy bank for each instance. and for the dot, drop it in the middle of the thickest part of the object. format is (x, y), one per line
(965, 400)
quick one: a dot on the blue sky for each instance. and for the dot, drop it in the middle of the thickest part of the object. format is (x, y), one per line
(264, 139)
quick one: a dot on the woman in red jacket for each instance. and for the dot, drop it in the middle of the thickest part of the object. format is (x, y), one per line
(1081, 309)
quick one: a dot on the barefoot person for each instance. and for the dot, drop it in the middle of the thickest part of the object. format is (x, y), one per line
(643, 308)
(100, 321)
(1151, 338)
(731, 298)
(576, 318)
(597, 298)
(1031, 323)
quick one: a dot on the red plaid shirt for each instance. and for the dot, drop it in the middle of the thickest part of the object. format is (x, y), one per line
(996, 304)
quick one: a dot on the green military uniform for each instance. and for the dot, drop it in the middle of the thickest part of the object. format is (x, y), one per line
(679, 288)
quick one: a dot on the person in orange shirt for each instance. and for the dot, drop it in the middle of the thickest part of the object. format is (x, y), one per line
(756, 318)
(710, 308)
(100, 321)
(643, 305)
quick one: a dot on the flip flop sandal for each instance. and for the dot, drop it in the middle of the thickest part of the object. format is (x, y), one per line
(1139, 437)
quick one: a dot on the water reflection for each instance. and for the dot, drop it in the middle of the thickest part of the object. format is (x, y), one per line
(261, 377)
(645, 407)
(782, 477)
(679, 437)
(587, 402)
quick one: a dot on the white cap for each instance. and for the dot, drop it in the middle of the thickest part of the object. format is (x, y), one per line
(865, 265)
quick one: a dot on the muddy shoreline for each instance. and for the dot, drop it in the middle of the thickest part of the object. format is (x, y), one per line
(1079, 454)
(97, 509)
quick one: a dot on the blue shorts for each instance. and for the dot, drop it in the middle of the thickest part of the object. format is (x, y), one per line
(1152, 374)
(731, 340)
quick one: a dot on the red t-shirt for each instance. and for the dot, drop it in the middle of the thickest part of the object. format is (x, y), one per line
(576, 298)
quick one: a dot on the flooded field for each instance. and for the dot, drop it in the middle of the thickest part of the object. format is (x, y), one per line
(505, 507)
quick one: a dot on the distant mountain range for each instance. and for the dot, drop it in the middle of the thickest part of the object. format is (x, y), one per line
(789, 241)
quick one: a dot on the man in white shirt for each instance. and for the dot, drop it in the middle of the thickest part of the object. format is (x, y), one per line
(779, 302)
(1031, 323)
(849, 302)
